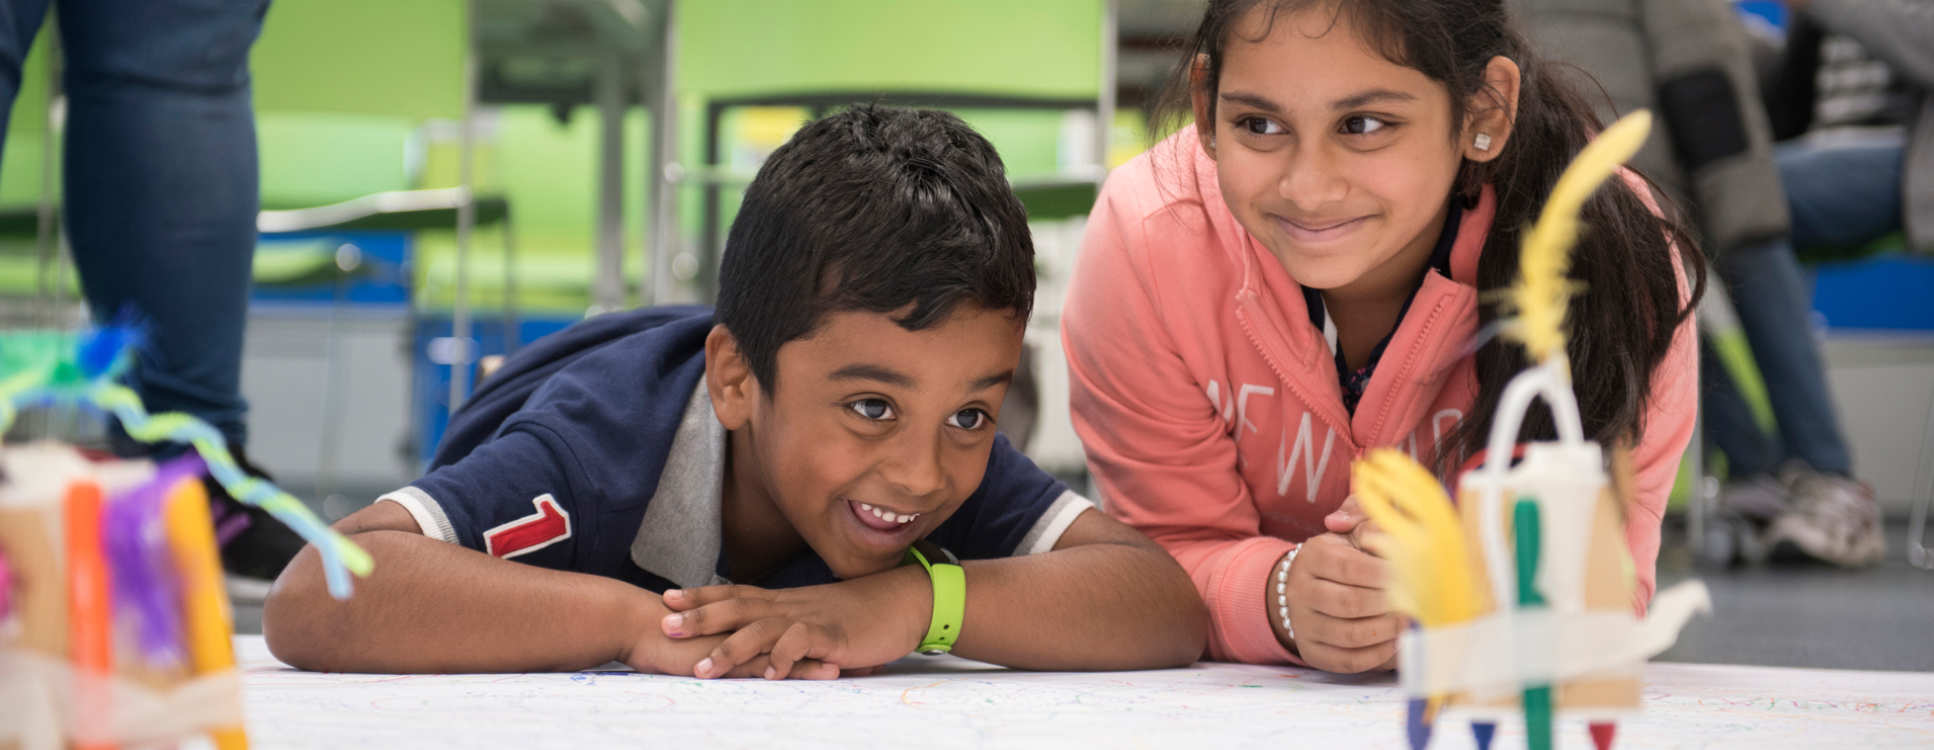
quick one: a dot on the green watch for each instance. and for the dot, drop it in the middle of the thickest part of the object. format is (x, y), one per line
(949, 595)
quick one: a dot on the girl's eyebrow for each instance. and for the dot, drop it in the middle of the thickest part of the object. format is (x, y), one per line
(1373, 95)
(1254, 100)
(1349, 102)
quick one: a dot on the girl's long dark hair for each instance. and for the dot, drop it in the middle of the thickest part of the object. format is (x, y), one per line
(1623, 324)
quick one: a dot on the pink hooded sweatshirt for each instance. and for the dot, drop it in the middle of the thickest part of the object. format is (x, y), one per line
(1209, 405)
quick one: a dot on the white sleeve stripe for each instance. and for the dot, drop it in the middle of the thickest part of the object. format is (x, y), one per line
(427, 512)
(1048, 529)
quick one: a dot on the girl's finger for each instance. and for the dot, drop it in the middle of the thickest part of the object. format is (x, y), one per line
(1347, 633)
(1339, 561)
(1348, 660)
(1347, 602)
(1345, 518)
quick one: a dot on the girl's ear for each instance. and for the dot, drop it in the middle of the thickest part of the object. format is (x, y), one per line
(1492, 111)
(1199, 95)
(729, 379)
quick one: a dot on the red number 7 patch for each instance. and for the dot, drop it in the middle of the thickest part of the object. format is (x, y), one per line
(548, 526)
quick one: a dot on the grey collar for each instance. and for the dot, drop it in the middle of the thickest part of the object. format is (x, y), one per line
(683, 530)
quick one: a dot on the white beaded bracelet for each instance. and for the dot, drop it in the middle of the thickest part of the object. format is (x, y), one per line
(1282, 592)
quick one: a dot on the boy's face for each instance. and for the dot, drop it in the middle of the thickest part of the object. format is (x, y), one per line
(875, 434)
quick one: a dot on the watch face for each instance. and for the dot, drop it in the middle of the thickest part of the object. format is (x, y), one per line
(933, 652)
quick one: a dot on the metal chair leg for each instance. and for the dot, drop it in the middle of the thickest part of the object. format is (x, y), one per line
(1918, 552)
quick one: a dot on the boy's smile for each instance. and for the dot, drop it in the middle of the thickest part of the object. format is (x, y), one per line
(872, 437)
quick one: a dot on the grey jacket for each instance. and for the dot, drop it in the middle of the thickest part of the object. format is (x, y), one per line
(1690, 63)
(1900, 32)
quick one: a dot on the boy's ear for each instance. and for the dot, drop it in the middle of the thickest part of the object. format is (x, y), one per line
(1492, 112)
(1199, 97)
(728, 377)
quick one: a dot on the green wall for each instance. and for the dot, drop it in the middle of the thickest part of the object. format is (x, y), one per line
(342, 87)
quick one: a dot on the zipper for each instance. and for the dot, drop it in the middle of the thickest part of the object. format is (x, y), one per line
(1406, 366)
(1248, 301)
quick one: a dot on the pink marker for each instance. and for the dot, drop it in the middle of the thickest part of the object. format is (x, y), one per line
(1602, 733)
(6, 587)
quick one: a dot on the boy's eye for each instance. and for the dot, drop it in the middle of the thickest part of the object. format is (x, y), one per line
(874, 409)
(1362, 125)
(1259, 126)
(968, 419)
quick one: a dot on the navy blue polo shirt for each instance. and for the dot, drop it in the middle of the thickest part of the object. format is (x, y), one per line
(596, 450)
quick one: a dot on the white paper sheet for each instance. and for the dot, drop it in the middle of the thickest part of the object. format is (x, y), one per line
(923, 703)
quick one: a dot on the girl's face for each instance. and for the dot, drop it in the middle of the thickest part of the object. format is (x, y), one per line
(1336, 159)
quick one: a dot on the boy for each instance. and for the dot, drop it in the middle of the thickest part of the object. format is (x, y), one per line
(838, 409)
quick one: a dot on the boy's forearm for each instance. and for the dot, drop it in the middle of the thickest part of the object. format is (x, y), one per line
(1094, 606)
(430, 606)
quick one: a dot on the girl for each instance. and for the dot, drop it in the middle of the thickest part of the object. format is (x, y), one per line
(1302, 275)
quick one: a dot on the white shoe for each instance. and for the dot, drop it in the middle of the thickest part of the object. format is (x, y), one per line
(1833, 518)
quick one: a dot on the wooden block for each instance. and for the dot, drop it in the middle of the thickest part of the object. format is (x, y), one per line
(40, 582)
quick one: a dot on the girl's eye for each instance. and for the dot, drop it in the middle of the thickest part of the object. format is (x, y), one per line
(968, 419)
(872, 408)
(1259, 126)
(1362, 125)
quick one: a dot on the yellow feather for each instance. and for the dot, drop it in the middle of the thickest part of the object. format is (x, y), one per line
(1431, 577)
(1542, 293)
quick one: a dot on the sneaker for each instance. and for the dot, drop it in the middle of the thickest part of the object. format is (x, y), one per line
(255, 546)
(1743, 511)
(1834, 519)
(1759, 499)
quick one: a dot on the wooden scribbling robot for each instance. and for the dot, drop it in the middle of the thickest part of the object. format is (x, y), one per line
(1522, 592)
(114, 626)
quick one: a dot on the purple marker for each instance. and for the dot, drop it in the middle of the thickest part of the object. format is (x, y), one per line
(1482, 732)
(1416, 725)
(143, 571)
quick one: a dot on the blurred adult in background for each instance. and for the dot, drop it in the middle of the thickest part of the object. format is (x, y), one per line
(1855, 82)
(1689, 61)
(160, 195)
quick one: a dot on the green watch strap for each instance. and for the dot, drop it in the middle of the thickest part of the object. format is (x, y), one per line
(949, 596)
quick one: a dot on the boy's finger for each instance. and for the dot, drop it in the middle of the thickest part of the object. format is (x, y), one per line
(684, 599)
(811, 669)
(740, 647)
(717, 617)
(806, 669)
(755, 667)
(791, 647)
(674, 657)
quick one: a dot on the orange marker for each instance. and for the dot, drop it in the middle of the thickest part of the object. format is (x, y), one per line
(89, 611)
(204, 603)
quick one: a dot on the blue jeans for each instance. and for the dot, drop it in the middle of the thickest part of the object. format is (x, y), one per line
(161, 179)
(1842, 194)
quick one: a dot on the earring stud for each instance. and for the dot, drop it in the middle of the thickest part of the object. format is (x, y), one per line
(1482, 141)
